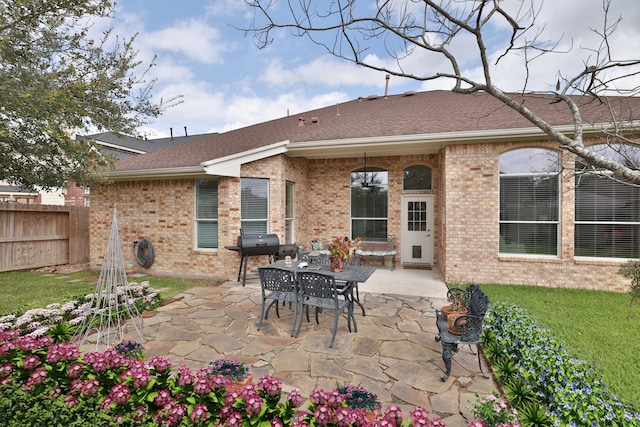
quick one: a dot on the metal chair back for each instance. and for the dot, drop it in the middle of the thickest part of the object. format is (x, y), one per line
(278, 284)
(319, 290)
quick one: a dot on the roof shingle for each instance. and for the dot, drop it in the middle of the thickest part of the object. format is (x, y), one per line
(416, 114)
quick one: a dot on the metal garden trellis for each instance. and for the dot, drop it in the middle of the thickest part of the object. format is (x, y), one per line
(113, 306)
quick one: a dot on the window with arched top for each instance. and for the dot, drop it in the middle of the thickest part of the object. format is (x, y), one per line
(416, 177)
(530, 202)
(607, 211)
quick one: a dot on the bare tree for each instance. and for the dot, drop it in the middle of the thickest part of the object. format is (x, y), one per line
(354, 30)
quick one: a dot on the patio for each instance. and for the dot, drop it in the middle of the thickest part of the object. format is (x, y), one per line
(393, 354)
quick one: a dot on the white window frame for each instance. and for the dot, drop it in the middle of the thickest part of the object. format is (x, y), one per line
(372, 176)
(289, 212)
(537, 175)
(212, 219)
(608, 228)
(250, 224)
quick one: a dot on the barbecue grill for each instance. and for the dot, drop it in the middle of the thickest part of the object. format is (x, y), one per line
(254, 245)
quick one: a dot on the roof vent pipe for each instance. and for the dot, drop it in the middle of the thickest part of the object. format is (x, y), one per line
(171, 132)
(386, 86)
(185, 131)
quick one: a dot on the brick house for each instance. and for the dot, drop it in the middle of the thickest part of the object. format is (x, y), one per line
(461, 182)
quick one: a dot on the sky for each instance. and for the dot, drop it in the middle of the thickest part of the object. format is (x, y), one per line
(226, 82)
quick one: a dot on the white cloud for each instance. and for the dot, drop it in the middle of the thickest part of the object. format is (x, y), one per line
(193, 39)
(326, 71)
(226, 82)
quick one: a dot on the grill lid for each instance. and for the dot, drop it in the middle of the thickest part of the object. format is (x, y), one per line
(258, 244)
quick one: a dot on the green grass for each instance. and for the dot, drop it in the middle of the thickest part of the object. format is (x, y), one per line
(25, 290)
(591, 325)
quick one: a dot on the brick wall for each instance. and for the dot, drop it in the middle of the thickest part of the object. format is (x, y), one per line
(162, 211)
(466, 215)
(471, 232)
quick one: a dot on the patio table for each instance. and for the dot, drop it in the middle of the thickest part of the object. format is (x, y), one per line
(351, 274)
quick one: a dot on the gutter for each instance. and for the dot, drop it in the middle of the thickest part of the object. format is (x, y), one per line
(422, 143)
(159, 173)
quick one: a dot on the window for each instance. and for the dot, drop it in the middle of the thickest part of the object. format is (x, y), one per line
(529, 202)
(206, 214)
(254, 205)
(369, 204)
(288, 215)
(607, 211)
(416, 177)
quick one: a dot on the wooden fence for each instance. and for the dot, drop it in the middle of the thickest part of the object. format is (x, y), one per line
(33, 236)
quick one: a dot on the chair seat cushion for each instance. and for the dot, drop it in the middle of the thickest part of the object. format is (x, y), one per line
(375, 253)
(319, 252)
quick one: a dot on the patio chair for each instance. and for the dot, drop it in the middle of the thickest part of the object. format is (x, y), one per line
(278, 285)
(466, 329)
(319, 290)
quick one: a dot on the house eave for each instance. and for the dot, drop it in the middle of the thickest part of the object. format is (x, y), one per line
(418, 144)
(231, 165)
(159, 173)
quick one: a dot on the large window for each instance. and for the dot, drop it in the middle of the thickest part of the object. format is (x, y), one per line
(529, 202)
(607, 211)
(254, 205)
(207, 214)
(369, 204)
(288, 215)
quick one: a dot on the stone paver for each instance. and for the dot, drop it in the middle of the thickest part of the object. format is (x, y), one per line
(393, 354)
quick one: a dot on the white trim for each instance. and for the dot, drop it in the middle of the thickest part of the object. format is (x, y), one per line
(158, 173)
(418, 143)
(118, 147)
(231, 165)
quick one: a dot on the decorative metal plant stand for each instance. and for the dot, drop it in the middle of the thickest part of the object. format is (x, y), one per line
(112, 310)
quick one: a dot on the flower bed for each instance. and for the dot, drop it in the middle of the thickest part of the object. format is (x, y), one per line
(52, 376)
(132, 392)
(39, 322)
(533, 367)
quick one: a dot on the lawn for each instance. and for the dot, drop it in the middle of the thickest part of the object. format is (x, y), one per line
(25, 290)
(592, 325)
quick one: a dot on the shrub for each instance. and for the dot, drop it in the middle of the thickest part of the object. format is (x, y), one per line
(62, 320)
(59, 385)
(494, 412)
(232, 369)
(571, 392)
(21, 408)
(631, 270)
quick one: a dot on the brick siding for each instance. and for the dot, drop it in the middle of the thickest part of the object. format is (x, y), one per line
(466, 215)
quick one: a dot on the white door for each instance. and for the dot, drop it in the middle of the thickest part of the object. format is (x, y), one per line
(417, 229)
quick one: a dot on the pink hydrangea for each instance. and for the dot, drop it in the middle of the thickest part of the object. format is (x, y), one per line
(6, 370)
(185, 376)
(160, 363)
(295, 397)
(271, 386)
(75, 371)
(90, 387)
(31, 362)
(199, 413)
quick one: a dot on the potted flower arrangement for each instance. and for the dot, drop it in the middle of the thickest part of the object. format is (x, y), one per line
(457, 307)
(130, 349)
(359, 397)
(236, 371)
(341, 250)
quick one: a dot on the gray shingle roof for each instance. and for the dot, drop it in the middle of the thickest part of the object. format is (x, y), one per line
(415, 114)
